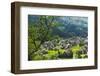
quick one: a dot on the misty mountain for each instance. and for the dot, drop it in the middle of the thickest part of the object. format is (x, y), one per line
(70, 25)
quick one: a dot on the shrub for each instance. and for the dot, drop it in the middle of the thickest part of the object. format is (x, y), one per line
(75, 49)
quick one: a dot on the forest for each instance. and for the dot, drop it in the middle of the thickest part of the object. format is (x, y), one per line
(57, 37)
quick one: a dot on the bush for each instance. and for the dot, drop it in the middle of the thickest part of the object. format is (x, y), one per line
(53, 54)
(37, 57)
(75, 49)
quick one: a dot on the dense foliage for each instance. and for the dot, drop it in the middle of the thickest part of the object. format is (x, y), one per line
(57, 37)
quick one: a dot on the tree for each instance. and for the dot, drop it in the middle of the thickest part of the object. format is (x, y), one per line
(39, 32)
